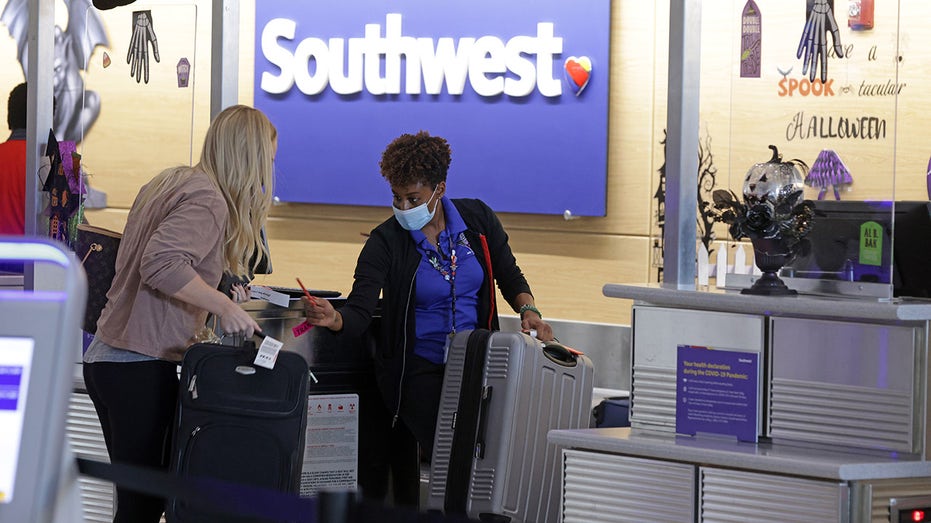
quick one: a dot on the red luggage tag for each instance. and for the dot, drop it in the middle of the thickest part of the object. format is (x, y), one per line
(574, 352)
(299, 330)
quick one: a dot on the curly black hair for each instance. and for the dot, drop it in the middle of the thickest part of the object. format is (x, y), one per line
(413, 158)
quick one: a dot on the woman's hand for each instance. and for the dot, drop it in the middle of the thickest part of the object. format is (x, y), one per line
(232, 318)
(320, 312)
(237, 321)
(239, 293)
(532, 321)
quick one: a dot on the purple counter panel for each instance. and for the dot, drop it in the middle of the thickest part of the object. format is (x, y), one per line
(520, 90)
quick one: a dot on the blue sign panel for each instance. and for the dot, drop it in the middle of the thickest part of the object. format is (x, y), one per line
(717, 392)
(519, 89)
(10, 380)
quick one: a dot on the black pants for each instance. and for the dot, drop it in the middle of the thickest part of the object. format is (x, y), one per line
(386, 451)
(136, 405)
(420, 401)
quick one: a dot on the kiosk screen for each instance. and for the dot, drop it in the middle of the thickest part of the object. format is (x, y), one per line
(15, 361)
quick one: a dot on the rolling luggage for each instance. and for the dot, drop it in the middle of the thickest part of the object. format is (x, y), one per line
(502, 393)
(239, 423)
(612, 412)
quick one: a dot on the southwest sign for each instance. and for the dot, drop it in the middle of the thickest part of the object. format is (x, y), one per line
(520, 90)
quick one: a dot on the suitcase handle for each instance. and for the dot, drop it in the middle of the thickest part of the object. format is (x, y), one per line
(560, 354)
(482, 422)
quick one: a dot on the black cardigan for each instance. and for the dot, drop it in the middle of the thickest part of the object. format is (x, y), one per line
(387, 267)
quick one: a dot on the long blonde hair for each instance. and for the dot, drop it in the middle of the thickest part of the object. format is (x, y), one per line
(238, 156)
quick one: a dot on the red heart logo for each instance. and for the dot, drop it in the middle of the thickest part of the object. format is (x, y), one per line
(578, 72)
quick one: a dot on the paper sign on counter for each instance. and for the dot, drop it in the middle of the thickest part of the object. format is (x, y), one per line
(717, 392)
(331, 454)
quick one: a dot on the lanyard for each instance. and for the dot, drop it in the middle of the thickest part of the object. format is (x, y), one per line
(449, 275)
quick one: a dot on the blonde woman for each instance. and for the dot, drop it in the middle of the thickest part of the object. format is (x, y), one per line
(185, 228)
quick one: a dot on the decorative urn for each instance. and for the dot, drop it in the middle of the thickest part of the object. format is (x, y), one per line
(773, 216)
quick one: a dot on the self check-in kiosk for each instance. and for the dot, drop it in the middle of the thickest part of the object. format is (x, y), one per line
(38, 329)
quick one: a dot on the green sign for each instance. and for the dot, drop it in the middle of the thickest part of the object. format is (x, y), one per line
(871, 243)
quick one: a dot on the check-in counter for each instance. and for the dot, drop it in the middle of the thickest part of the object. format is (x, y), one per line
(323, 350)
(841, 413)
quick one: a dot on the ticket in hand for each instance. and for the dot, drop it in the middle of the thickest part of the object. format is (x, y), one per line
(259, 292)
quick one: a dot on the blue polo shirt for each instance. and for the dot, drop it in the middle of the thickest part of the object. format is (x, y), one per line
(435, 284)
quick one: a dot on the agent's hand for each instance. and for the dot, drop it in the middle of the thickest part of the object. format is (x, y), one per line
(533, 322)
(138, 55)
(813, 44)
(320, 312)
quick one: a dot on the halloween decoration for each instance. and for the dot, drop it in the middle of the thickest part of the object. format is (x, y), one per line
(65, 188)
(828, 170)
(707, 180)
(111, 4)
(860, 15)
(138, 55)
(813, 45)
(751, 37)
(772, 215)
(76, 107)
(184, 72)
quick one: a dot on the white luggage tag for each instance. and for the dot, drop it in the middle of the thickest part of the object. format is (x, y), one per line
(268, 353)
(259, 292)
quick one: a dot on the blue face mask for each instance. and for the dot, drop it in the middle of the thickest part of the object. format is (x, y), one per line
(415, 218)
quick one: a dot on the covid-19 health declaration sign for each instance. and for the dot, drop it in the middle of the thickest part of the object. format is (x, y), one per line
(518, 88)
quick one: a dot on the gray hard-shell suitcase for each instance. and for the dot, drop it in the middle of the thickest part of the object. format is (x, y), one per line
(502, 393)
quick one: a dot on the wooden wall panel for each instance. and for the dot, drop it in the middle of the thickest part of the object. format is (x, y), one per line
(566, 272)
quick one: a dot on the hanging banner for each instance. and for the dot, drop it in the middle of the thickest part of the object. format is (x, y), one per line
(751, 41)
(519, 89)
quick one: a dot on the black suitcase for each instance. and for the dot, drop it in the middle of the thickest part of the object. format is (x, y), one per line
(238, 422)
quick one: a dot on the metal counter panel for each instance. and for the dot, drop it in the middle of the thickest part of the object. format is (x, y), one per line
(657, 332)
(319, 346)
(839, 308)
(603, 488)
(737, 496)
(813, 461)
(86, 438)
(846, 383)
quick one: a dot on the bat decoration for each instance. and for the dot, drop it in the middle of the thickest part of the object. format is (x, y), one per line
(76, 110)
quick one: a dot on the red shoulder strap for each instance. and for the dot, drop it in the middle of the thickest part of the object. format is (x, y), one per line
(491, 279)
